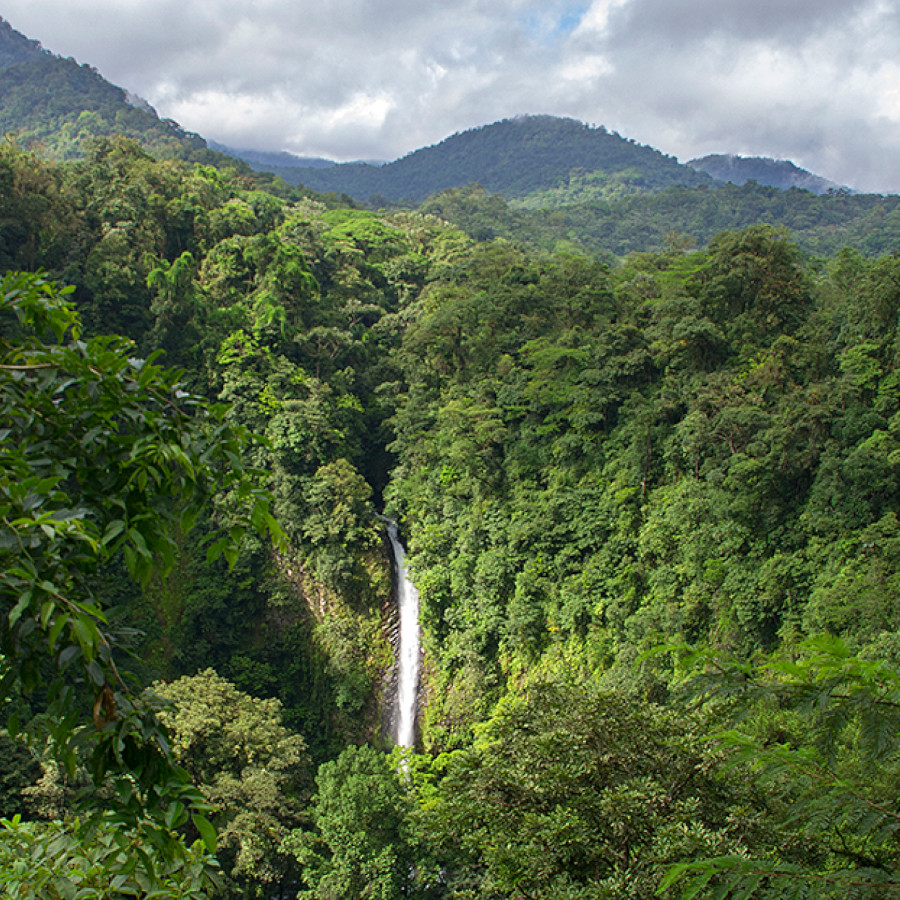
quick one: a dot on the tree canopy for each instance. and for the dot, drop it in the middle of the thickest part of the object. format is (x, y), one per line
(589, 457)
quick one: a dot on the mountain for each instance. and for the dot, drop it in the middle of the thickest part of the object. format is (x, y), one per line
(544, 180)
(61, 105)
(16, 48)
(780, 173)
(273, 161)
(514, 157)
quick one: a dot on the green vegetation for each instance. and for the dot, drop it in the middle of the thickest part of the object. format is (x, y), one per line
(103, 457)
(557, 183)
(60, 106)
(822, 738)
(248, 766)
(594, 216)
(515, 157)
(651, 505)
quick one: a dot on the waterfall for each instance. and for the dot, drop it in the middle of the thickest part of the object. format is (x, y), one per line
(408, 650)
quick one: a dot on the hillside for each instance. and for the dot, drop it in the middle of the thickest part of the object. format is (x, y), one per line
(268, 161)
(16, 48)
(780, 173)
(650, 501)
(514, 157)
(61, 105)
(678, 216)
(588, 462)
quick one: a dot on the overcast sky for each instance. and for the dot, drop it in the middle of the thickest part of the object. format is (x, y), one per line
(815, 81)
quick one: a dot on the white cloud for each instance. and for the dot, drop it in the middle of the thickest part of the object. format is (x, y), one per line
(596, 20)
(370, 78)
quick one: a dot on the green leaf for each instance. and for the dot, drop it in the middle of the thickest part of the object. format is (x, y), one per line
(188, 518)
(55, 629)
(672, 875)
(16, 612)
(47, 611)
(86, 633)
(113, 530)
(215, 550)
(231, 553)
(207, 831)
(698, 884)
(96, 673)
(67, 654)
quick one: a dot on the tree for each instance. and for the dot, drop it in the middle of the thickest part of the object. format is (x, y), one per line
(50, 861)
(572, 791)
(102, 455)
(360, 849)
(819, 729)
(247, 764)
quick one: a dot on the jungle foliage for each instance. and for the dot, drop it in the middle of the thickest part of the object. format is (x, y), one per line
(591, 214)
(591, 459)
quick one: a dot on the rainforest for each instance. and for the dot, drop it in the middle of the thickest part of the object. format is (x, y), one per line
(649, 500)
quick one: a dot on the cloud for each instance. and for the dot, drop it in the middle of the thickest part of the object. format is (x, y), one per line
(375, 79)
(812, 83)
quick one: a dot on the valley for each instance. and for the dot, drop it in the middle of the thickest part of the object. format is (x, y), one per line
(640, 431)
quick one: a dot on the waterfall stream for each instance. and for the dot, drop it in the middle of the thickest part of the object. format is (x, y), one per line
(408, 650)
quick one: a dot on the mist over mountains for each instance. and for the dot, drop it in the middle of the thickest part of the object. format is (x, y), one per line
(542, 180)
(780, 173)
(60, 103)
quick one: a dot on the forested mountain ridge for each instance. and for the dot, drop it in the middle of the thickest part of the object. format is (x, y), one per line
(61, 105)
(15, 47)
(513, 157)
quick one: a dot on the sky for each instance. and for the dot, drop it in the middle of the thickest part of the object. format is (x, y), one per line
(814, 81)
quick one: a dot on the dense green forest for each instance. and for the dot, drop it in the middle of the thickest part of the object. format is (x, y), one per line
(651, 506)
(677, 217)
(514, 157)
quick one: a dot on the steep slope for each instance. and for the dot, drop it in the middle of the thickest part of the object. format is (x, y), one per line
(779, 173)
(514, 157)
(15, 47)
(60, 105)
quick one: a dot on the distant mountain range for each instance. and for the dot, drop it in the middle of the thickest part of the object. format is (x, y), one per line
(535, 162)
(780, 173)
(265, 160)
(515, 157)
(546, 159)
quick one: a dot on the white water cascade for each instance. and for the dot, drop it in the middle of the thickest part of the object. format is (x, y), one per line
(408, 650)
